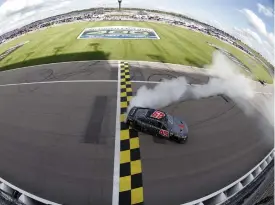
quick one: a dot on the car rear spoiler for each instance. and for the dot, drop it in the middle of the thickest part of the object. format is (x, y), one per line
(133, 111)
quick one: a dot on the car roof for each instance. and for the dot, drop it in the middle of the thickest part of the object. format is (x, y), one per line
(159, 118)
(144, 112)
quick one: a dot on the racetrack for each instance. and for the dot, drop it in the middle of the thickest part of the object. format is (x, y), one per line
(57, 136)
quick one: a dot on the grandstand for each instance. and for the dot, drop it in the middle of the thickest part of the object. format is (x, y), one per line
(106, 14)
(127, 14)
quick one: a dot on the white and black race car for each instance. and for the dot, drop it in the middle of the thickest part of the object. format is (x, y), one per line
(157, 123)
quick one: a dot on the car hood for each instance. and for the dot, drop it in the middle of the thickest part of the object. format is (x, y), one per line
(179, 127)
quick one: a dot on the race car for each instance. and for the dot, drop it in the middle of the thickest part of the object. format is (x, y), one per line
(157, 123)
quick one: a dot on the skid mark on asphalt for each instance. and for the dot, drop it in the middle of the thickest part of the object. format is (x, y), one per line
(130, 181)
(137, 74)
(94, 130)
(113, 74)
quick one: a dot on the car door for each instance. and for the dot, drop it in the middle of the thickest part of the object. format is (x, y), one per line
(163, 131)
(141, 124)
(158, 128)
(152, 128)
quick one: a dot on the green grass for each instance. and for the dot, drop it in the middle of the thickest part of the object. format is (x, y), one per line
(256, 54)
(177, 45)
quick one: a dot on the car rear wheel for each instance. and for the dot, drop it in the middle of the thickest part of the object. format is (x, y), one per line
(138, 127)
(135, 125)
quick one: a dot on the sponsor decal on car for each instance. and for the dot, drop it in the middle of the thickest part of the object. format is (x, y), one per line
(164, 133)
(157, 115)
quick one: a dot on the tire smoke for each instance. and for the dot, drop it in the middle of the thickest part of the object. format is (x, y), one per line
(161, 95)
(225, 79)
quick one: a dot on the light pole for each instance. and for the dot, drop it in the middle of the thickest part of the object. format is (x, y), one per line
(119, 4)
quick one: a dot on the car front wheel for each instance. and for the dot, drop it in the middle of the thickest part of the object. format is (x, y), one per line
(181, 140)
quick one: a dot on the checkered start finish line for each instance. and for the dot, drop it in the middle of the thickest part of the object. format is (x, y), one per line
(130, 179)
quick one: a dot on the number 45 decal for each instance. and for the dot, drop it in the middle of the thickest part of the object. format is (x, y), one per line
(164, 133)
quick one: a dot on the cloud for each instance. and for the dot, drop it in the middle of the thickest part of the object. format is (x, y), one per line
(254, 35)
(12, 7)
(267, 11)
(18, 10)
(255, 21)
(247, 33)
(258, 24)
(17, 13)
(270, 37)
(17, 20)
(253, 40)
(267, 49)
(215, 23)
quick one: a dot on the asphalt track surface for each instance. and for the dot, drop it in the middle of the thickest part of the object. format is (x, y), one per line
(57, 139)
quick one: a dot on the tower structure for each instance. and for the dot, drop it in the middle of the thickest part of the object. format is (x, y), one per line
(119, 4)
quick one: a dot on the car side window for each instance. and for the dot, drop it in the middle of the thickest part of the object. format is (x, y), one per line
(159, 125)
(141, 119)
(164, 127)
(153, 122)
(148, 121)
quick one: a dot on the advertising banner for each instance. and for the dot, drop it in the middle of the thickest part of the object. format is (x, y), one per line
(118, 32)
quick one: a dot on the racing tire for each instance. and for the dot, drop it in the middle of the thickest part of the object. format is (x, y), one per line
(134, 125)
(138, 127)
(181, 141)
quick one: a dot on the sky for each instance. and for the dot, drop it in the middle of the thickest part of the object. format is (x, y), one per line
(252, 21)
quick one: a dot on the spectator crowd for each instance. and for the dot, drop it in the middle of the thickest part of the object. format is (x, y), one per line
(101, 14)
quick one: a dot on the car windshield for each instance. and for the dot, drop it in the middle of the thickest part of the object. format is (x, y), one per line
(170, 119)
(141, 112)
(178, 121)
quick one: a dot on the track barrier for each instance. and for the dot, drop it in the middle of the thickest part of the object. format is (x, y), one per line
(226, 193)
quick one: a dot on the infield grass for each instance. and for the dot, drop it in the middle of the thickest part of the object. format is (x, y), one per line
(176, 45)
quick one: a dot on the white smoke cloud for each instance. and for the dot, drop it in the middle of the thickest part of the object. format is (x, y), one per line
(265, 105)
(161, 95)
(226, 79)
